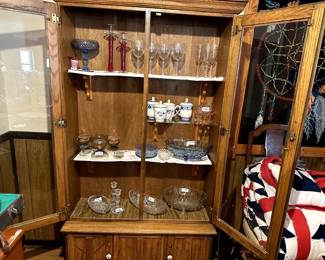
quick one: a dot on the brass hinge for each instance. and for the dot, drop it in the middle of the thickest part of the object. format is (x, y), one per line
(236, 29)
(61, 123)
(223, 131)
(56, 19)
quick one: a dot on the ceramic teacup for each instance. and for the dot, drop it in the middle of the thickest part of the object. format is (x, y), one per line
(186, 110)
(171, 110)
(160, 112)
(150, 108)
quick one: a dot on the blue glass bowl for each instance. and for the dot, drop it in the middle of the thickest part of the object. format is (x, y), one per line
(187, 149)
(151, 150)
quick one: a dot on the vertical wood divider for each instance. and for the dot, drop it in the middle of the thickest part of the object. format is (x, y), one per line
(144, 109)
(303, 89)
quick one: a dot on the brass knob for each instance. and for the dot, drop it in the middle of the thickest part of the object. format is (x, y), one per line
(108, 256)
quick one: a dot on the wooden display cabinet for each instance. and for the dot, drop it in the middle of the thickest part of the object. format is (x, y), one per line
(99, 102)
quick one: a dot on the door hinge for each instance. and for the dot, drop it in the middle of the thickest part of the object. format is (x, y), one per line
(56, 19)
(223, 131)
(61, 123)
(236, 29)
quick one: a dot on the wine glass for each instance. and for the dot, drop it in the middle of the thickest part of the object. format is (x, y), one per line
(138, 52)
(163, 53)
(206, 59)
(177, 53)
(198, 58)
(152, 55)
(212, 58)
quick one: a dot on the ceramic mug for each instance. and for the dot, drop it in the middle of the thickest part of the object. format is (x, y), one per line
(150, 108)
(171, 110)
(160, 112)
(186, 110)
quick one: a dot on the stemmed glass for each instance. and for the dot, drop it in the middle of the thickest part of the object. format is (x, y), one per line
(177, 54)
(212, 58)
(206, 59)
(138, 52)
(152, 55)
(198, 58)
(163, 53)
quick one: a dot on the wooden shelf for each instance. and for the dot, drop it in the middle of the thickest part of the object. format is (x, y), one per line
(102, 73)
(83, 212)
(187, 78)
(173, 122)
(129, 156)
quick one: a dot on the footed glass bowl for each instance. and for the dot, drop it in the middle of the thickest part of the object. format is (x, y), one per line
(151, 150)
(99, 204)
(184, 198)
(152, 205)
(83, 44)
(187, 149)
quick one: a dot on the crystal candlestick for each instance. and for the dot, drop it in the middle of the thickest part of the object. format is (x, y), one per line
(110, 36)
(123, 49)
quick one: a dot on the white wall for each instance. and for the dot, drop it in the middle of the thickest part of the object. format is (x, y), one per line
(24, 84)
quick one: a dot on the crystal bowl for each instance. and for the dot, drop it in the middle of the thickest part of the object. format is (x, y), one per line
(151, 150)
(184, 198)
(152, 205)
(99, 204)
(83, 44)
(163, 154)
(187, 149)
(99, 141)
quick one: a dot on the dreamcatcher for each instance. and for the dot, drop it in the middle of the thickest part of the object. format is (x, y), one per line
(277, 68)
(315, 120)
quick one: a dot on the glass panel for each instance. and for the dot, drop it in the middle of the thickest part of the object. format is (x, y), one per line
(25, 116)
(271, 83)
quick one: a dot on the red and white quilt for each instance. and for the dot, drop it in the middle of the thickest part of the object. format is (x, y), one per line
(303, 234)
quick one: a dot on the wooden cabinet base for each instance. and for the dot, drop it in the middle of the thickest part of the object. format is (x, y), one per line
(180, 243)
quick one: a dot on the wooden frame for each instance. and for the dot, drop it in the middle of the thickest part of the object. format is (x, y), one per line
(314, 15)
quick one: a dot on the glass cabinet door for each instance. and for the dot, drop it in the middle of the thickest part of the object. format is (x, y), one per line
(269, 84)
(27, 109)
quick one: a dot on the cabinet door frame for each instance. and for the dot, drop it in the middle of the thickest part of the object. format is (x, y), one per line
(314, 15)
(49, 10)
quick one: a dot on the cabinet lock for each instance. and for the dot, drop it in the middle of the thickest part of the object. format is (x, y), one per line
(60, 123)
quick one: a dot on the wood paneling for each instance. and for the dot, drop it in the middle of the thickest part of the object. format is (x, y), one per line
(189, 248)
(35, 180)
(89, 247)
(7, 176)
(203, 7)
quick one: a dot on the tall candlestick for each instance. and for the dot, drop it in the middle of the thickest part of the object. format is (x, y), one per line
(110, 37)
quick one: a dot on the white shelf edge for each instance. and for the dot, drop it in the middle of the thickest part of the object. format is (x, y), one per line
(106, 73)
(137, 75)
(188, 78)
(131, 157)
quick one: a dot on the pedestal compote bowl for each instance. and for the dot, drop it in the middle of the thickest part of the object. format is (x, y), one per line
(85, 47)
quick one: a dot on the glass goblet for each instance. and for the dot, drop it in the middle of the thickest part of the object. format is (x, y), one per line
(212, 58)
(198, 58)
(138, 52)
(152, 55)
(163, 53)
(177, 53)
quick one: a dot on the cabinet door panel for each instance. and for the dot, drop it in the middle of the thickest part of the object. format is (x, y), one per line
(189, 248)
(126, 247)
(153, 248)
(88, 247)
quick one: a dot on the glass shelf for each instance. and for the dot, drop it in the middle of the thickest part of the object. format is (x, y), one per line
(103, 73)
(129, 156)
